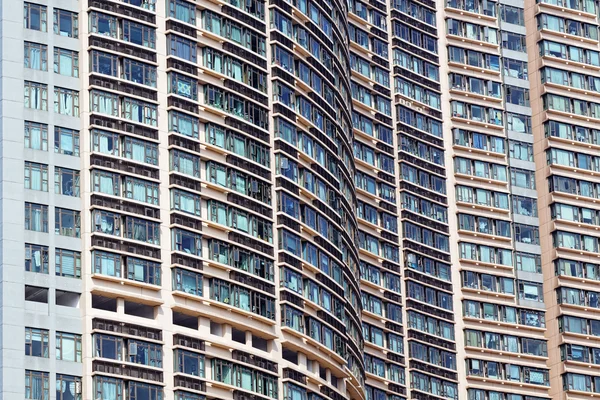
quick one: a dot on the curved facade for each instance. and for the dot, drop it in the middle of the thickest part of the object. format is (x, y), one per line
(221, 214)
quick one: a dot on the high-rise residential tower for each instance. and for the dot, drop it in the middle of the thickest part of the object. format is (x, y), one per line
(299, 199)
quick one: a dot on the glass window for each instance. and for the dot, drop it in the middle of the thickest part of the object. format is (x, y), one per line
(139, 34)
(141, 190)
(183, 11)
(36, 176)
(68, 347)
(66, 23)
(139, 111)
(103, 24)
(36, 342)
(37, 385)
(67, 222)
(66, 102)
(140, 72)
(36, 96)
(186, 242)
(66, 141)
(68, 387)
(68, 263)
(66, 181)
(36, 258)
(36, 217)
(35, 17)
(187, 281)
(36, 136)
(36, 56)
(66, 62)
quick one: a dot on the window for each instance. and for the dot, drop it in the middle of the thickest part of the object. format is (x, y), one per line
(518, 123)
(66, 181)
(35, 17)
(139, 111)
(103, 24)
(532, 291)
(185, 163)
(66, 102)
(525, 206)
(68, 347)
(187, 242)
(66, 62)
(36, 56)
(183, 11)
(185, 201)
(36, 176)
(512, 15)
(66, 141)
(106, 263)
(513, 41)
(522, 178)
(143, 270)
(516, 95)
(142, 230)
(108, 223)
(189, 363)
(184, 124)
(521, 150)
(141, 190)
(182, 85)
(108, 388)
(36, 258)
(528, 262)
(37, 385)
(67, 263)
(527, 234)
(36, 96)
(36, 136)
(36, 217)
(139, 34)
(66, 23)
(105, 103)
(140, 150)
(105, 142)
(187, 281)
(68, 387)
(104, 63)
(67, 222)
(36, 342)
(138, 72)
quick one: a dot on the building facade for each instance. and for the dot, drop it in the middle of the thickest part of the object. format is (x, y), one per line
(300, 200)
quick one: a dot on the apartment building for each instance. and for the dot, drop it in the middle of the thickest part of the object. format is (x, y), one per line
(300, 200)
